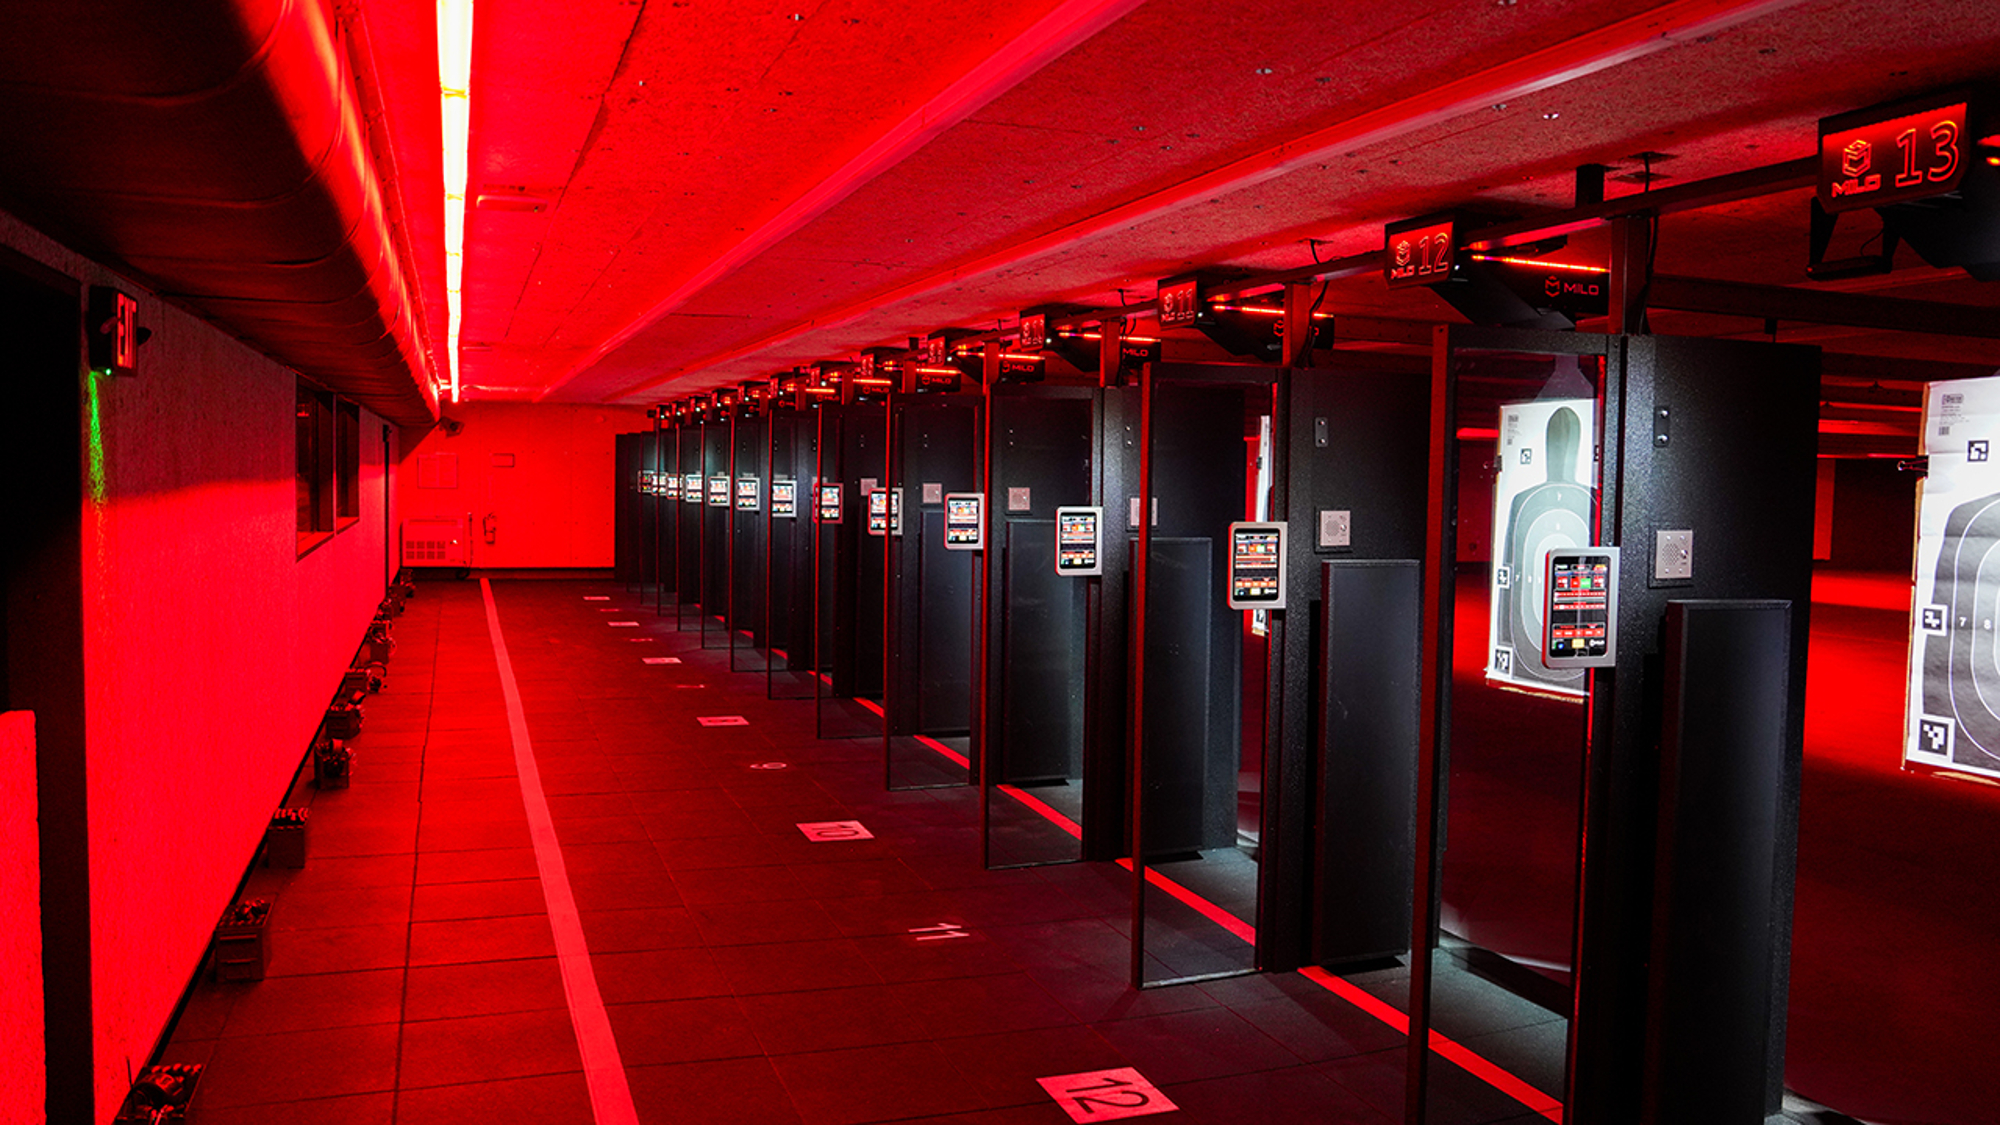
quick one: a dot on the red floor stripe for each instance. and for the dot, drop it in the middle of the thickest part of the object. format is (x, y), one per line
(1467, 1059)
(1446, 1047)
(1047, 813)
(1202, 906)
(1470, 1061)
(947, 751)
(603, 1069)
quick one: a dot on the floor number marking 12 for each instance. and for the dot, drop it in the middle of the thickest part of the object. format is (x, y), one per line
(1106, 1095)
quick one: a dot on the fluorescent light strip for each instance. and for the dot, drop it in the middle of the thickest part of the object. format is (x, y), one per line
(454, 89)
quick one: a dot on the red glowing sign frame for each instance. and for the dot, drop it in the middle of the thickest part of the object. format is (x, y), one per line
(1180, 303)
(1034, 332)
(1924, 142)
(1419, 251)
(114, 331)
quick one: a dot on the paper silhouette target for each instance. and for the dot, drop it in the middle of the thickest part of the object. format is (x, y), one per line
(1952, 715)
(1542, 501)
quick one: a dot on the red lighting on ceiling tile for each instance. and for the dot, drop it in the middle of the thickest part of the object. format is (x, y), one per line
(1052, 37)
(1592, 52)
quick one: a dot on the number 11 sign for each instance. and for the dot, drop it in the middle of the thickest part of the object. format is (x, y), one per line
(1106, 1095)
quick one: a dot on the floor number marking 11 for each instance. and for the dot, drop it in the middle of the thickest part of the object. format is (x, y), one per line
(1106, 1095)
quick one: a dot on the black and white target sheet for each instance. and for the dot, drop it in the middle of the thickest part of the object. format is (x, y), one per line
(1952, 713)
(1541, 501)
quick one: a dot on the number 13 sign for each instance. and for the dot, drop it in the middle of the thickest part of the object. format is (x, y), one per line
(1106, 1095)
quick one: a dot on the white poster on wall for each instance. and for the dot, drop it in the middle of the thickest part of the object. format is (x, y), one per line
(1952, 714)
(1542, 497)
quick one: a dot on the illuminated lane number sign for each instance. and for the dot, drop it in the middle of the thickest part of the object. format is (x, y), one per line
(1034, 333)
(1180, 303)
(1419, 251)
(114, 332)
(748, 491)
(785, 499)
(878, 511)
(1256, 566)
(828, 508)
(964, 521)
(1080, 542)
(1874, 157)
(691, 488)
(718, 492)
(1106, 1095)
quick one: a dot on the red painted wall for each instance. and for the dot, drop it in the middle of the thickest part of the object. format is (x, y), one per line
(20, 929)
(553, 507)
(211, 647)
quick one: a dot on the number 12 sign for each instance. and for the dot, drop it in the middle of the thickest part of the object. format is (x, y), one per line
(1106, 1095)
(1419, 251)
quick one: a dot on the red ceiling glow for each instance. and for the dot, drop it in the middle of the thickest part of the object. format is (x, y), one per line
(1585, 54)
(1069, 25)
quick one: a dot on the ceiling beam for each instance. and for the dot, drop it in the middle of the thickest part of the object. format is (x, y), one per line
(1635, 37)
(1813, 306)
(1690, 196)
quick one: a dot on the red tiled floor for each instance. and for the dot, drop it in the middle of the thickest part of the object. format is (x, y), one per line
(556, 1099)
(750, 976)
(483, 988)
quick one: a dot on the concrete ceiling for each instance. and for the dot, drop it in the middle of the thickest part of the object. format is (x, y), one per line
(677, 194)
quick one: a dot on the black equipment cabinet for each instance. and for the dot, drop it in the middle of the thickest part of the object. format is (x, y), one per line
(632, 453)
(1340, 782)
(1197, 757)
(928, 592)
(749, 496)
(1683, 788)
(716, 447)
(847, 601)
(788, 570)
(687, 519)
(1193, 665)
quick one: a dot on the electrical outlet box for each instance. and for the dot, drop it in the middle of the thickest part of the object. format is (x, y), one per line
(1673, 555)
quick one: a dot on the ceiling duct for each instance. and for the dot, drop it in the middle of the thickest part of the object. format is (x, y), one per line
(215, 150)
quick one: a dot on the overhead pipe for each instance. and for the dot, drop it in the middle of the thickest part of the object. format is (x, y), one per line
(215, 151)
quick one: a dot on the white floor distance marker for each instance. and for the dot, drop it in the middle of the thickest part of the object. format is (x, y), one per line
(624, 624)
(824, 831)
(661, 659)
(597, 597)
(723, 721)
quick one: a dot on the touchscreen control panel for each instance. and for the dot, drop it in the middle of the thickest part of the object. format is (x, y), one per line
(964, 521)
(1580, 608)
(1256, 566)
(1080, 541)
